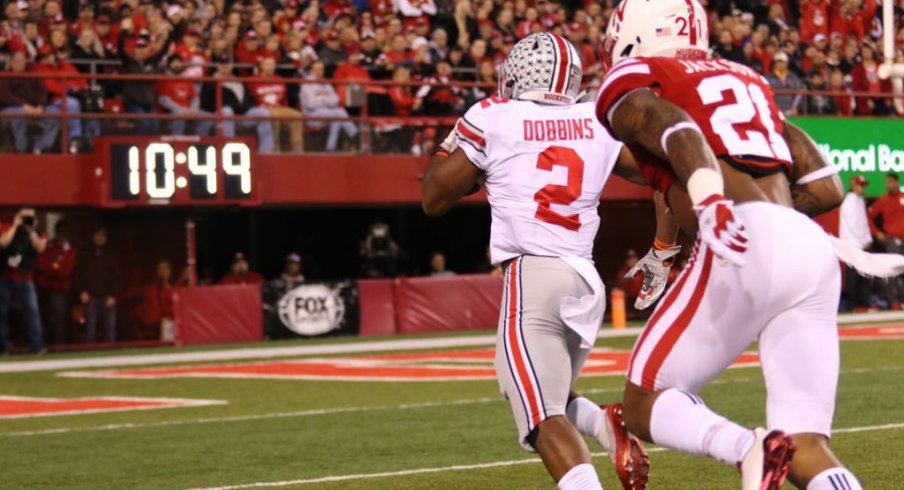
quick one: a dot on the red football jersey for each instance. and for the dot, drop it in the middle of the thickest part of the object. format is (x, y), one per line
(733, 105)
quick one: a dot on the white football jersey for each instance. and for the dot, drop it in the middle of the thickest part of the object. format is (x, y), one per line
(546, 167)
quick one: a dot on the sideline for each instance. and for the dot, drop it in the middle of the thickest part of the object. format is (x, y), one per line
(270, 352)
(125, 360)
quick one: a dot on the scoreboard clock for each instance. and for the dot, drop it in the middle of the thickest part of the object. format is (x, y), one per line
(175, 170)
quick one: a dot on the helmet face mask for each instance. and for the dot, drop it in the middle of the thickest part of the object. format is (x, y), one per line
(666, 28)
(542, 67)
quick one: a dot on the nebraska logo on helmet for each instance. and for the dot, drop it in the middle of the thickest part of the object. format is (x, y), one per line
(542, 67)
(646, 28)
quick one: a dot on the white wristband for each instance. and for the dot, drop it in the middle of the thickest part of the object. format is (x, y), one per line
(704, 182)
(822, 173)
(673, 129)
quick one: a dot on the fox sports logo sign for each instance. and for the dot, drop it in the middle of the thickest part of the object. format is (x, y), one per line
(312, 309)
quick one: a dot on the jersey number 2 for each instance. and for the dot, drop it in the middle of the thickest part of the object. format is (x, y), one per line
(560, 194)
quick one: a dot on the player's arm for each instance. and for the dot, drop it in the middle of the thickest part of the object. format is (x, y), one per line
(815, 186)
(626, 167)
(448, 179)
(665, 130)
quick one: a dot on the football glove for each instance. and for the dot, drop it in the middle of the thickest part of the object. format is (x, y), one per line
(721, 229)
(655, 267)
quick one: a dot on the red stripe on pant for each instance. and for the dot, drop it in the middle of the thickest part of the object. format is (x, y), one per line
(663, 307)
(671, 336)
(515, 347)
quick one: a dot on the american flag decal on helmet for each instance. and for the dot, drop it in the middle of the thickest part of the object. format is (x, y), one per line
(663, 31)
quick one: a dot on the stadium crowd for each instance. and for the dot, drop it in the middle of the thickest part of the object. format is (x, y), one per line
(422, 49)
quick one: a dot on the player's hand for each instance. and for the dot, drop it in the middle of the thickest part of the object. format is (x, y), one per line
(721, 230)
(655, 267)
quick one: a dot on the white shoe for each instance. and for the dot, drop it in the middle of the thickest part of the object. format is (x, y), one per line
(766, 465)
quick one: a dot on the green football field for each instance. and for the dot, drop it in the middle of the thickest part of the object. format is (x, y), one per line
(297, 432)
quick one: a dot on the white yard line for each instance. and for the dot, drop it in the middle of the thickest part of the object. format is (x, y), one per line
(418, 471)
(443, 469)
(309, 413)
(269, 352)
(276, 415)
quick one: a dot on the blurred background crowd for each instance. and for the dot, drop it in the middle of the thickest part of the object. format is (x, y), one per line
(421, 53)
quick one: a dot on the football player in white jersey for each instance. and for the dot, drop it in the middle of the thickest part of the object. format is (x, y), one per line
(545, 160)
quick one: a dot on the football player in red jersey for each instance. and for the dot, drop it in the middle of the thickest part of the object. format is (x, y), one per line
(707, 133)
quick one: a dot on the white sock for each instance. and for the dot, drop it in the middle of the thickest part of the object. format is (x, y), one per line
(581, 477)
(681, 421)
(585, 416)
(835, 479)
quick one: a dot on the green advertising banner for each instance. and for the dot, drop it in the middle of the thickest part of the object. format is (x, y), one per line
(864, 146)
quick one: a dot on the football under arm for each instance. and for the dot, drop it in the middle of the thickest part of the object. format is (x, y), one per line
(665, 130)
(448, 179)
(815, 186)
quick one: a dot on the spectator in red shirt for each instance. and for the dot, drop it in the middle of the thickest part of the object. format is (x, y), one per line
(852, 18)
(179, 97)
(271, 94)
(59, 92)
(191, 53)
(250, 51)
(890, 208)
(414, 11)
(398, 53)
(157, 308)
(240, 273)
(865, 78)
(20, 244)
(55, 268)
(814, 19)
(845, 103)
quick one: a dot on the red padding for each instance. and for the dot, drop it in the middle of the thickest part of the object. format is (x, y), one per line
(378, 315)
(439, 304)
(218, 314)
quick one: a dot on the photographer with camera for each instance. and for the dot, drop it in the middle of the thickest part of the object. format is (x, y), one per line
(20, 244)
(380, 253)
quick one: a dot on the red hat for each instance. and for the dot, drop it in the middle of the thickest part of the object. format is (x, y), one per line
(293, 4)
(191, 31)
(45, 50)
(859, 180)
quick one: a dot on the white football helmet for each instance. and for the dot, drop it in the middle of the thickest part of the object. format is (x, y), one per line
(542, 67)
(668, 28)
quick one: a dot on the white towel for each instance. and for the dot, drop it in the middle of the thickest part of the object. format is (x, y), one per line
(584, 315)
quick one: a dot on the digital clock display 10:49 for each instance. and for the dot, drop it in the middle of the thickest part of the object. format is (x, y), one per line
(175, 171)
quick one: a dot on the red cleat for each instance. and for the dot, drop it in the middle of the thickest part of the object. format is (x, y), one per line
(766, 465)
(631, 461)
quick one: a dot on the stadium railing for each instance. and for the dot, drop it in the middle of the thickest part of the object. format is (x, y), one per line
(369, 124)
